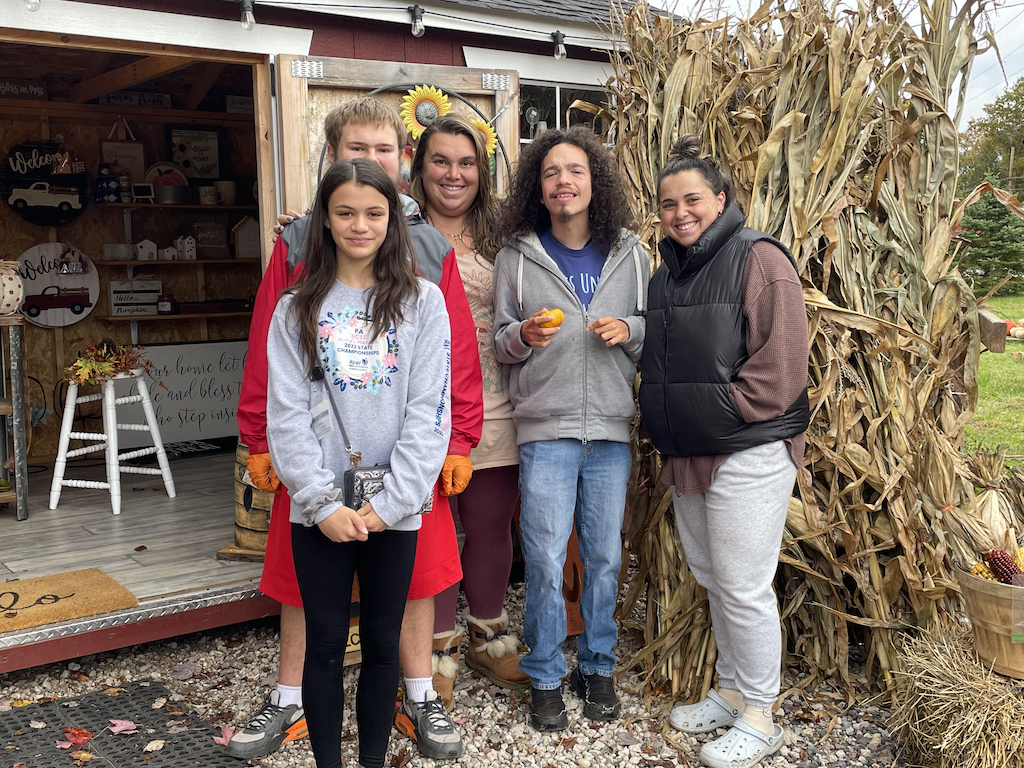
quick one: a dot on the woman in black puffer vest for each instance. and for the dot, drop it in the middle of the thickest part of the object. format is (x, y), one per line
(724, 397)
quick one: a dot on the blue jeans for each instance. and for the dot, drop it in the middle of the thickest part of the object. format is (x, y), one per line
(560, 480)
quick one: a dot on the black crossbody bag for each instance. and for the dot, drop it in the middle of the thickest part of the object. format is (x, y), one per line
(360, 484)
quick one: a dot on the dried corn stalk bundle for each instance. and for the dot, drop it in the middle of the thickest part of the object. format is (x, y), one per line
(838, 128)
(992, 504)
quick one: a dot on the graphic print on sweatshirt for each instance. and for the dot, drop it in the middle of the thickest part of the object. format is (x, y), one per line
(351, 356)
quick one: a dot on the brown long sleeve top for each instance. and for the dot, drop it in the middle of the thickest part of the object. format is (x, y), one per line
(776, 367)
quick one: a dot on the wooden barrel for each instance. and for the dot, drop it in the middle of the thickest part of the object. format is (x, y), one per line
(252, 507)
(998, 639)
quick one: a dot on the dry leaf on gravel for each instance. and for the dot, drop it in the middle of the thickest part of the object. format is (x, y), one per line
(64, 745)
(37, 724)
(81, 757)
(184, 671)
(154, 746)
(21, 702)
(225, 736)
(159, 702)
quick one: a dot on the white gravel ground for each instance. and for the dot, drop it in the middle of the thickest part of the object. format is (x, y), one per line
(228, 672)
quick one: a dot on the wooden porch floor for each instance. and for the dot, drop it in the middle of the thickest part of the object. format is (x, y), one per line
(157, 547)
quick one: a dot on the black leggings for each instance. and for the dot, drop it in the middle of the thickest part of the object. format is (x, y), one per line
(324, 569)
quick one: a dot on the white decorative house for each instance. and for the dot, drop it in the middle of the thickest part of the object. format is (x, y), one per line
(186, 248)
(145, 251)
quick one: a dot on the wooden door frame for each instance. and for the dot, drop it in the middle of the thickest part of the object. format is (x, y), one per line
(368, 75)
(262, 121)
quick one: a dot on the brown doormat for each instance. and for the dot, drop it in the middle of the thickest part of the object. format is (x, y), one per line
(60, 597)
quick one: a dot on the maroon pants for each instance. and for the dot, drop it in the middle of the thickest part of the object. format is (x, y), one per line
(485, 509)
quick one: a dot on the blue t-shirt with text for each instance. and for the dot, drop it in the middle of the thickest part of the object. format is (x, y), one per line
(582, 268)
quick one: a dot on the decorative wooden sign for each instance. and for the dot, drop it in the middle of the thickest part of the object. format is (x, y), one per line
(29, 184)
(60, 283)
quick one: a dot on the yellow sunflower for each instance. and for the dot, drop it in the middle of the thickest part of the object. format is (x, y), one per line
(490, 135)
(423, 105)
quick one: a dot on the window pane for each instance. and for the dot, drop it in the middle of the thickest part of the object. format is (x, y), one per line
(541, 98)
(578, 116)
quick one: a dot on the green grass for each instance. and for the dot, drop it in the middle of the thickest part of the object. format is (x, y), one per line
(999, 419)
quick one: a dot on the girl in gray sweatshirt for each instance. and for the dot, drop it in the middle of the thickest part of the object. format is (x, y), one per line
(363, 341)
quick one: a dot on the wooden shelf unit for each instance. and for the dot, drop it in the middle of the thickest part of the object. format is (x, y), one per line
(196, 316)
(175, 207)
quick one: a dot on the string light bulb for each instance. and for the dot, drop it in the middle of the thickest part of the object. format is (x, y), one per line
(559, 39)
(418, 28)
(32, 5)
(248, 18)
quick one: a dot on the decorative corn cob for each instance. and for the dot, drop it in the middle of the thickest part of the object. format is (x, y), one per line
(1002, 565)
(1018, 558)
(982, 570)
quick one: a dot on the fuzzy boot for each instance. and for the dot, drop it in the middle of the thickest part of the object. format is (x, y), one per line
(444, 664)
(494, 652)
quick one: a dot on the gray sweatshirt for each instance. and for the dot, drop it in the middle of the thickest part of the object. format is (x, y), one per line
(576, 387)
(391, 393)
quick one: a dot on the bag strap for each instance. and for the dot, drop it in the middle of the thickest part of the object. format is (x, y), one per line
(354, 456)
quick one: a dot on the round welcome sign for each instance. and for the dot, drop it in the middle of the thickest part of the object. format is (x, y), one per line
(60, 284)
(43, 183)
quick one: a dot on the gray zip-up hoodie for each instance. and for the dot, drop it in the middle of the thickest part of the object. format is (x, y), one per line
(393, 394)
(575, 387)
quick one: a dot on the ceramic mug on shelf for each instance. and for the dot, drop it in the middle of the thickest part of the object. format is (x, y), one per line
(207, 195)
(227, 192)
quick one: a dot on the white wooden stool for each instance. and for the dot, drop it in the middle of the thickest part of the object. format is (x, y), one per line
(107, 441)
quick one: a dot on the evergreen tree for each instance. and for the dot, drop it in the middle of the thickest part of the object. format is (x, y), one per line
(985, 145)
(995, 249)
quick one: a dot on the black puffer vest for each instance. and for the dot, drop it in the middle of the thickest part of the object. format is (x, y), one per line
(696, 346)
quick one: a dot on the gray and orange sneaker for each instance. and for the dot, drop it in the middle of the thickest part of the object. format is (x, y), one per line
(269, 728)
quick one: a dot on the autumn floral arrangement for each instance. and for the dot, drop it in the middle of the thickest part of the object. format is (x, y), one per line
(104, 361)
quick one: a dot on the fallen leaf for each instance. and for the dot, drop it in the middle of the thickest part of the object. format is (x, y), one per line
(77, 736)
(143, 548)
(21, 702)
(184, 671)
(114, 691)
(225, 736)
(21, 732)
(172, 709)
(81, 757)
(37, 724)
(122, 726)
(177, 729)
(626, 739)
(400, 759)
(154, 746)
(159, 702)
(568, 743)
(19, 765)
(69, 703)
(64, 745)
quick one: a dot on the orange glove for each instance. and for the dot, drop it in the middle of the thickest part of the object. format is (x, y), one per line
(262, 473)
(455, 474)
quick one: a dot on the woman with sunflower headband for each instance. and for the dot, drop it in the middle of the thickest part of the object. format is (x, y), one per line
(451, 181)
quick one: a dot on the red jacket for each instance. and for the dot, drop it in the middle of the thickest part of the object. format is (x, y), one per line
(436, 262)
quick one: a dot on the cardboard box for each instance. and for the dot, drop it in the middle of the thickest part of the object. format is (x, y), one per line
(133, 297)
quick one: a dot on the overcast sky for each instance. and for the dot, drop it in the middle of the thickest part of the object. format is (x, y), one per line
(987, 80)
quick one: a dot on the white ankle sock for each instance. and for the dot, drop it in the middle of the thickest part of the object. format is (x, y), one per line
(288, 695)
(733, 697)
(759, 718)
(416, 688)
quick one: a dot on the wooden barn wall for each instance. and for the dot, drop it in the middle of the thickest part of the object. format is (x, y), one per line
(357, 39)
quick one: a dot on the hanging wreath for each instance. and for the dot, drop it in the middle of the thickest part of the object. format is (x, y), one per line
(423, 105)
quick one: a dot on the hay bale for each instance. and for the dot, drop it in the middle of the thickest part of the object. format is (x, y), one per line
(949, 710)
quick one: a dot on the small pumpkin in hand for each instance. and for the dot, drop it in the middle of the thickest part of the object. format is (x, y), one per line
(557, 318)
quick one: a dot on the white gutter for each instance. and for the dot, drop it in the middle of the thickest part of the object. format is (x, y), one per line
(85, 19)
(455, 17)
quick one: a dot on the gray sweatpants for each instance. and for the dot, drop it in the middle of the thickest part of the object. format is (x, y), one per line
(731, 535)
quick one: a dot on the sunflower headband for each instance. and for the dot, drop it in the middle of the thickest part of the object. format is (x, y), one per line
(424, 104)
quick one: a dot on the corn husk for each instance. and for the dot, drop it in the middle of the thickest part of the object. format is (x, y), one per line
(838, 127)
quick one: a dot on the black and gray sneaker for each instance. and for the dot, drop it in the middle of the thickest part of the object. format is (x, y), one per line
(598, 695)
(269, 728)
(547, 710)
(428, 725)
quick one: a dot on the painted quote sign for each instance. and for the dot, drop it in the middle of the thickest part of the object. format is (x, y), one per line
(199, 396)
